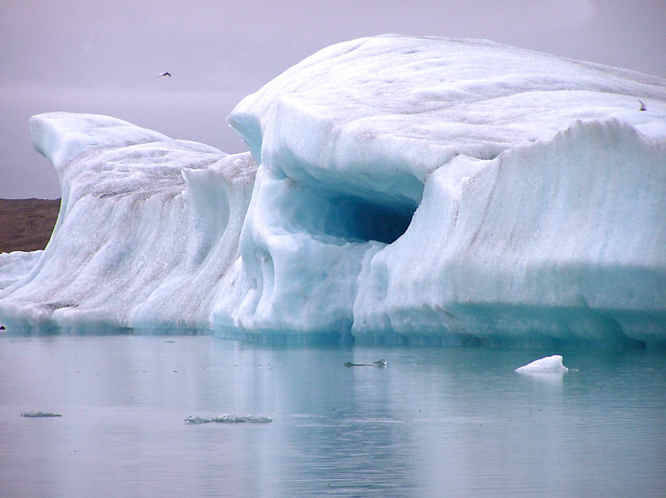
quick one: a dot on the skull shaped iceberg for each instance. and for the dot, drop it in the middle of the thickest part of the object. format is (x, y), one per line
(397, 189)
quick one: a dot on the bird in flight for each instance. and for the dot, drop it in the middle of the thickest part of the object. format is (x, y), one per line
(166, 74)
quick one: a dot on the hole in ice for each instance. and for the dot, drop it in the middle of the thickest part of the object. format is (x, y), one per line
(356, 219)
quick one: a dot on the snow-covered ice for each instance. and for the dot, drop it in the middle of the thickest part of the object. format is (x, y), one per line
(147, 228)
(548, 365)
(415, 189)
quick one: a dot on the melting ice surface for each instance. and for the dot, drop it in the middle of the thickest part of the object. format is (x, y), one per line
(397, 190)
(15, 265)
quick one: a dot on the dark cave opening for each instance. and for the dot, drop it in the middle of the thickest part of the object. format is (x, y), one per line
(355, 219)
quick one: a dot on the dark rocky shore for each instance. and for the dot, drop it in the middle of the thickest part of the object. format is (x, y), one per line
(26, 224)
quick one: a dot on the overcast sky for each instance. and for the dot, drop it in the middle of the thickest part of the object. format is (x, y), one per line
(103, 57)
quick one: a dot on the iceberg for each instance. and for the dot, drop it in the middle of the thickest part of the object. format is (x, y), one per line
(396, 190)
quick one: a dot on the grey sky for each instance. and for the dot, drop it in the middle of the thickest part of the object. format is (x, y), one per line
(102, 57)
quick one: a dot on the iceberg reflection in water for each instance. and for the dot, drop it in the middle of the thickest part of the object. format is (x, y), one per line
(438, 421)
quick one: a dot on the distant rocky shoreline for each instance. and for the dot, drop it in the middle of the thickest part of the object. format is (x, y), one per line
(27, 224)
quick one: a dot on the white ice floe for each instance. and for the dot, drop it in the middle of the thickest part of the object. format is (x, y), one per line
(402, 187)
(547, 365)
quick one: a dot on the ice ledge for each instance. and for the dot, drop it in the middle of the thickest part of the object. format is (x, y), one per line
(61, 136)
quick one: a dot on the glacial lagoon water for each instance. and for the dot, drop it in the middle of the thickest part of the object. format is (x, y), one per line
(434, 422)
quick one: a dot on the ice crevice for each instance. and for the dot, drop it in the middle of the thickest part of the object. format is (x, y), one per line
(477, 194)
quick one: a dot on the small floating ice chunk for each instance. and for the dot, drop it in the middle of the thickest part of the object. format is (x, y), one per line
(549, 364)
(229, 419)
(40, 414)
(379, 363)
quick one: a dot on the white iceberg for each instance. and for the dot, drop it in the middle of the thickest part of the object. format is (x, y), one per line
(398, 189)
(548, 365)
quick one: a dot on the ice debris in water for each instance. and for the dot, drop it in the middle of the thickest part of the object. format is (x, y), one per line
(549, 364)
(379, 363)
(38, 414)
(229, 419)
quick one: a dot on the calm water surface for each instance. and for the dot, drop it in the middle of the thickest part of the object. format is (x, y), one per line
(436, 422)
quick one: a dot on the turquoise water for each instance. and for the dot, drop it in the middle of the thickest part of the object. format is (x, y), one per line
(435, 422)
